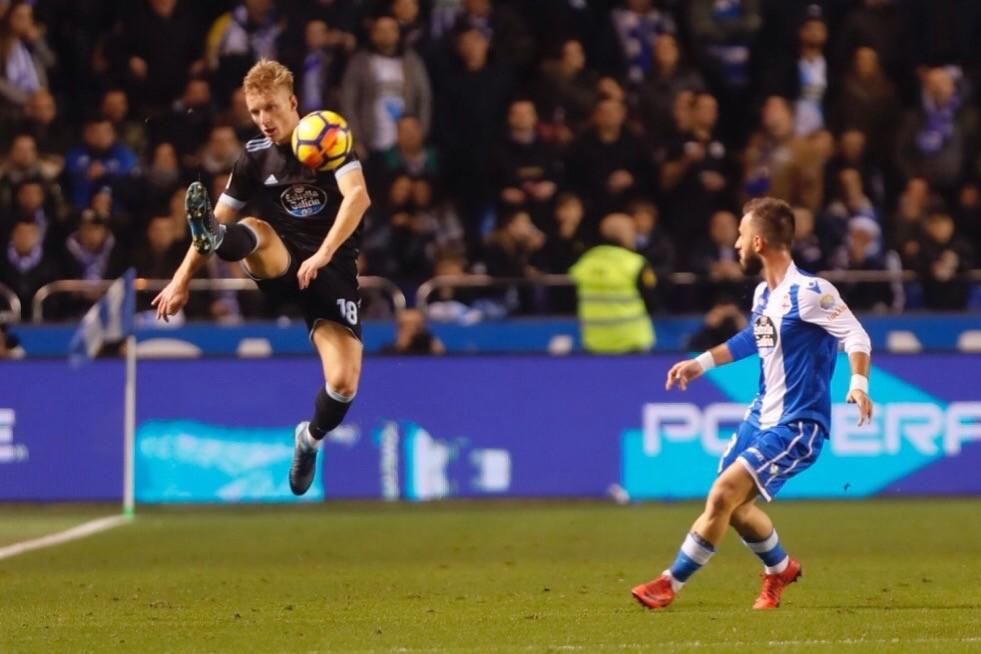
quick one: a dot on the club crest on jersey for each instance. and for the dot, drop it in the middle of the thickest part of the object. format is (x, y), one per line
(302, 200)
(765, 333)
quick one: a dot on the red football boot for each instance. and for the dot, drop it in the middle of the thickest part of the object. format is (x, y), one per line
(655, 594)
(773, 585)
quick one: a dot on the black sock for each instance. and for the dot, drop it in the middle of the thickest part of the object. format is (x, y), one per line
(329, 411)
(239, 242)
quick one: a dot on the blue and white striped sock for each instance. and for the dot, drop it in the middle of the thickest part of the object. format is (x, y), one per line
(694, 553)
(771, 553)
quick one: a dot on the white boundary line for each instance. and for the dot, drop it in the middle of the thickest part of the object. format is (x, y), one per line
(684, 645)
(75, 533)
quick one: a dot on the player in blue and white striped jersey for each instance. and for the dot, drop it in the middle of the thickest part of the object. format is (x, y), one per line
(797, 325)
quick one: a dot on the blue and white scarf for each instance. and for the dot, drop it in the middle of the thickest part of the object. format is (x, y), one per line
(21, 70)
(94, 264)
(733, 58)
(26, 262)
(938, 125)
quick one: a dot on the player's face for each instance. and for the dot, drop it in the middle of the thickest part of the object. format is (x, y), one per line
(746, 245)
(274, 113)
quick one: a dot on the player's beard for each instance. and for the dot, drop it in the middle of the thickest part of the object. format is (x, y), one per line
(752, 263)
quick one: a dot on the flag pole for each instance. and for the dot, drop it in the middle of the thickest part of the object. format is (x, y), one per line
(129, 427)
(111, 319)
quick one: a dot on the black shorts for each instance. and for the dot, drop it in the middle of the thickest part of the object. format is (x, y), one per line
(333, 295)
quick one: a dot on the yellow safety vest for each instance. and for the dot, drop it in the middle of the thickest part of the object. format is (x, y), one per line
(612, 314)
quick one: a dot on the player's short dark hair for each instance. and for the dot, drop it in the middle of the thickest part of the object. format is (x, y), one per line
(775, 219)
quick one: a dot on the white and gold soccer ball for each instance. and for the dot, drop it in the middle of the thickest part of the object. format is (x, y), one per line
(322, 140)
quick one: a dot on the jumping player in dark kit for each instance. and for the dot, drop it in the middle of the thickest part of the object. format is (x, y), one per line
(303, 245)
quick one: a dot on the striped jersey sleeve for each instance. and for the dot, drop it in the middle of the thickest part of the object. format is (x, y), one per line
(240, 186)
(826, 309)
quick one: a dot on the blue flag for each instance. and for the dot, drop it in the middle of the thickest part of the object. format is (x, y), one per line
(110, 320)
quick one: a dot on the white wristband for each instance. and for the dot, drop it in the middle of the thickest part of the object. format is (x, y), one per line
(859, 383)
(706, 361)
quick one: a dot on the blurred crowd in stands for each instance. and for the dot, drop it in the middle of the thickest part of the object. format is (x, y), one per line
(496, 134)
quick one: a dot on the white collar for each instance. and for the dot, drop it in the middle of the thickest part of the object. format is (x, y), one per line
(788, 278)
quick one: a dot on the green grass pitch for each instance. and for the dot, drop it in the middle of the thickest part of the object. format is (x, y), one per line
(879, 576)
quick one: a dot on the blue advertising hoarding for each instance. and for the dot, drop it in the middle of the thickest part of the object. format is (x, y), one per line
(61, 431)
(426, 428)
(899, 333)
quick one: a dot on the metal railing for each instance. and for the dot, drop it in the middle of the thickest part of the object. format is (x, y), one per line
(885, 276)
(427, 288)
(12, 312)
(62, 286)
(423, 294)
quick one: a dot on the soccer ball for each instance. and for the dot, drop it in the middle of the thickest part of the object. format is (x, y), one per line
(322, 140)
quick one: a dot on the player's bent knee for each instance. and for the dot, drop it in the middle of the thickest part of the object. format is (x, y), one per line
(722, 498)
(345, 381)
(344, 384)
(266, 237)
(259, 226)
(270, 259)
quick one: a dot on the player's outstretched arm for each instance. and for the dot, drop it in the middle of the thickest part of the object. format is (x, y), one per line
(689, 370)
(352, 186)
(175, 294)
(738, 347)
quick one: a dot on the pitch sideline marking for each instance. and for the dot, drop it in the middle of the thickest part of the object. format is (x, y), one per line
(75, 533)
(696, 644)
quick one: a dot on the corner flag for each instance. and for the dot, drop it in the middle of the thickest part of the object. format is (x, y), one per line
(109, 320)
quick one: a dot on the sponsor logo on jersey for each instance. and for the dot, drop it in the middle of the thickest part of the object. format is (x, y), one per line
(826, 301)
(765, 333)
(302, 200)
(840, 309)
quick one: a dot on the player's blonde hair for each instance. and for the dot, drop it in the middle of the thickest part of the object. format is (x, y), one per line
(267, 75)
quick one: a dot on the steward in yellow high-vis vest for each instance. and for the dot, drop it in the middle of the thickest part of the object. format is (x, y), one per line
(614, 285)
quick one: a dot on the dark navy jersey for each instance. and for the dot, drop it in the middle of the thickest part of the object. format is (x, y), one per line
(300, 203)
